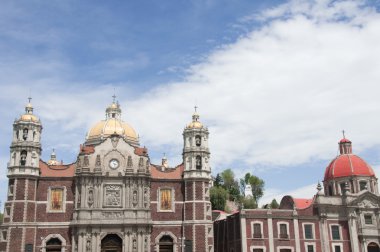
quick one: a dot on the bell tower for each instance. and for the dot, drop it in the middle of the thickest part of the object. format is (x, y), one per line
(198, 229)
(23, 173)
(26, 144)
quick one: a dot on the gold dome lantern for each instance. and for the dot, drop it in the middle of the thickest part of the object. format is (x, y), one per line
(112, 125)
(29, 116)
(195, 124)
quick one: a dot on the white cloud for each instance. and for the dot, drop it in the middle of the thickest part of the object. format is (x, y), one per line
(281, 94)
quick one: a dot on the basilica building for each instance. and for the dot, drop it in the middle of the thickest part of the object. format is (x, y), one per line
(343, 216)
(112, 199)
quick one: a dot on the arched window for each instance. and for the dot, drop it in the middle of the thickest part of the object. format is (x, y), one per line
(198, 163)
(25, 134)
(23, 158)
(54, 245)
(166, 244)
(198, 140)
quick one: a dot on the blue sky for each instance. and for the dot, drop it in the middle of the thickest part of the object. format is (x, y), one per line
(275, 81)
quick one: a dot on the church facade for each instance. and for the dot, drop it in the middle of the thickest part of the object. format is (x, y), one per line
(344, 215)
(112, 199)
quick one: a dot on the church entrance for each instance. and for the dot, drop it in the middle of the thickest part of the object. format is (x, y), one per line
(373, 247)
(166, 244)
(112, 243)
(54, 245)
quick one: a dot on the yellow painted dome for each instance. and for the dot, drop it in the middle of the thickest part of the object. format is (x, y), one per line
(195, 124)
(29, 116)
(112, 125)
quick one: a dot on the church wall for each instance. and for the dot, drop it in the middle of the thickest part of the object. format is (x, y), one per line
(64, 232)
(20, 189)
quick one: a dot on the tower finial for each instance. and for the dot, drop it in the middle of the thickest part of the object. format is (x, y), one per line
(29, 98)
(195, 108)
(343, 134)
(114, 96)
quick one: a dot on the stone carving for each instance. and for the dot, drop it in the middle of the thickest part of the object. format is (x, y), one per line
(129, 163)
(25, 134)
(134, 244)
(79, 194)
(146, 243)
(90, 198)
(134, 198)
(115, 141)
(141, 162)
(88, 245)
(78, 162)
(86, 163)
(146, 197)
(97, 163)
(368, 204)
(147, 166)
(113, 195)
(34, 159)
(112, 215)
(23, 157)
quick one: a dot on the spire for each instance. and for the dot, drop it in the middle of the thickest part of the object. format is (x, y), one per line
(29, 107)
(53, 158)
(345, 145)
(195, 122)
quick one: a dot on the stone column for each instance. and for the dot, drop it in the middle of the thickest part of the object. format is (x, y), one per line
(243, 231)
(353, 232)
(270, 231)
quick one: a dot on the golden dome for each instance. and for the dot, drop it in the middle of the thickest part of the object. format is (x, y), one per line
(112, 126)
(29, 118)
(195, 124)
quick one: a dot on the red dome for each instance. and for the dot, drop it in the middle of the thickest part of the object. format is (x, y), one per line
(347, 165)
(344, 140)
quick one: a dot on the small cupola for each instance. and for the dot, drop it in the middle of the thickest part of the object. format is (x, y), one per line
(345, 145)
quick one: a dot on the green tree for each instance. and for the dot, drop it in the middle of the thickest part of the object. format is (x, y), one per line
(274, 204)
(249, 203)
(218, 180)
(257, 185)
(218, 197)
(228, 178)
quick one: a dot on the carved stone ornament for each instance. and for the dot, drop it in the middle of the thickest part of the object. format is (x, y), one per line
(86, 162)
(90, 198)
(368, 204)
(141, 162)
(114, 141)
(78, 162)
(134, 198)
(88, 245)
(146, 197)
(129, 163)
(112, 215)
(98, 163)
(113, 195)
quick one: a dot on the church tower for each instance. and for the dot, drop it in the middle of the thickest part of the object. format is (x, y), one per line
(23, 172)
(198, 229)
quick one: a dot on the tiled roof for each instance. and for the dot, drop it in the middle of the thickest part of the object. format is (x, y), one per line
(347, 165)
(87, 149)
(168, 173)
(56, 170)
(302, 203)
(141, 151)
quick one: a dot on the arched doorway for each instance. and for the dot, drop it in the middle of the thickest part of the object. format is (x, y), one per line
(166, 244)
(373, 247)
(112, 243)
(54, 245)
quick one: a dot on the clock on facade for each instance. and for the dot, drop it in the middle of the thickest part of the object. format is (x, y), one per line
(114, 163)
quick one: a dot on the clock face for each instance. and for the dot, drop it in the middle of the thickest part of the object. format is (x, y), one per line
(114, 164)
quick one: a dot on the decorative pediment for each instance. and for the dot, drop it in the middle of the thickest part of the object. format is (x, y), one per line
(366, 200)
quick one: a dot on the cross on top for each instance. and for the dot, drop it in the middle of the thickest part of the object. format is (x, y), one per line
(343, 134)
(114, 97)
(195, 108)
(29, 98)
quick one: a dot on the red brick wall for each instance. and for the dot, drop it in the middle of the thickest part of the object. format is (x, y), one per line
(31, 189)
(20, 189)
(15, 241)
(199, 190)
(189, 190)
(200, 238)
(18, 211)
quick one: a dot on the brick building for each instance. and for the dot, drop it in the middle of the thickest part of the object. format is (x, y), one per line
(112, 199)
(343, 217)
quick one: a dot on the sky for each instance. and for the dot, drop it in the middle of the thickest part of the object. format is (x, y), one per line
(275, 82)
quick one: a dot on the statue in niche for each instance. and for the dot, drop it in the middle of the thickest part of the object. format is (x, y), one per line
(146, 197)
(86, 161)
(25, 134)
(97, 163)
(88, 244)
(145, 243)
(141, 162)
(23, 158)
(134, 198)
(198, 140)
(129, 163)
(90, 199)
(78, 162)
